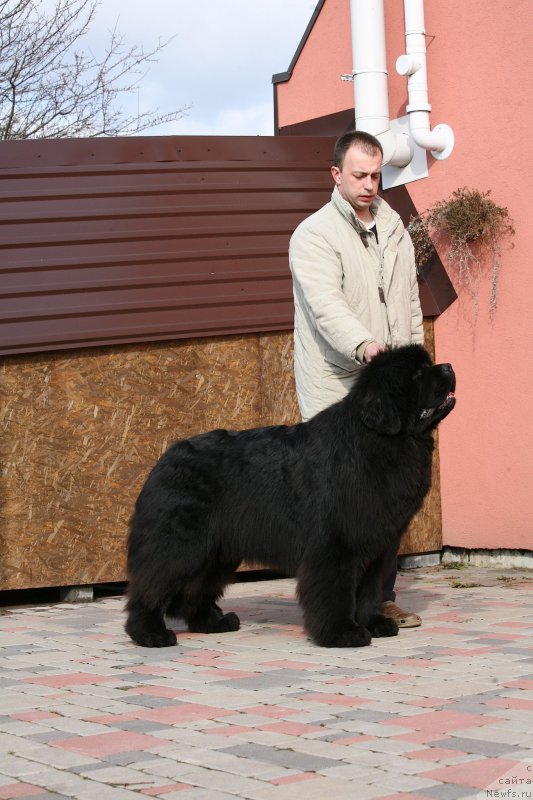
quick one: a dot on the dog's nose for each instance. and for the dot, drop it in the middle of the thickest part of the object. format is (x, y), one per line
(446, 367)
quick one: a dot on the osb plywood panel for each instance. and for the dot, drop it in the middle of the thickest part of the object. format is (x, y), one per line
(425, 532)
(278, 394)
(79, 434)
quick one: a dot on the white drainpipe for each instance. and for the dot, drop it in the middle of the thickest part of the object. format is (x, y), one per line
(440, 140)
(370, 81)
(371, 87)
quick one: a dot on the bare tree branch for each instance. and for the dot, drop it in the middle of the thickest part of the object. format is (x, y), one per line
(52, 85)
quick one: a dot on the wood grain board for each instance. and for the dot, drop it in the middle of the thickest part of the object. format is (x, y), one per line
(80, 429)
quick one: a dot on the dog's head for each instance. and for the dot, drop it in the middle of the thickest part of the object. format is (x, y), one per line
(402, 391)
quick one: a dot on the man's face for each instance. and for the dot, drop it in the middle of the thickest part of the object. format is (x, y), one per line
(358, 180)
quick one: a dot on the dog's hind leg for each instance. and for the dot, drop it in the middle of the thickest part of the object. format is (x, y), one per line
(326, 591)
(200, 608)
(368, 602)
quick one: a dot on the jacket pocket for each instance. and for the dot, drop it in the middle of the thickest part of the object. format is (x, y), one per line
(338, 362)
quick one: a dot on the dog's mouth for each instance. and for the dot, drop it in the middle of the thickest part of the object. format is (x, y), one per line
(444, 407)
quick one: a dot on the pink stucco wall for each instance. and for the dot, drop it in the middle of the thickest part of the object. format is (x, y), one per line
(479, 67)
(326, 56)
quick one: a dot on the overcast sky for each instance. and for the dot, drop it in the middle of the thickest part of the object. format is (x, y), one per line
(221, 60)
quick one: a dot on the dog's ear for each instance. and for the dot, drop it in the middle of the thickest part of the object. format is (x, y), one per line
(379, 412)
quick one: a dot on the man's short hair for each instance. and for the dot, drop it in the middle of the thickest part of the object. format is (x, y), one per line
(368, 143)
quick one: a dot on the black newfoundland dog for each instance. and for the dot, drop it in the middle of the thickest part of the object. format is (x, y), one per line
(322, 500)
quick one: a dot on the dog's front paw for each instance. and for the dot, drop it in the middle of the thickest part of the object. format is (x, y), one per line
(215, 622)
(353, 637)
(159, 638)
(227, 622)
(383, 626)
(231, 622)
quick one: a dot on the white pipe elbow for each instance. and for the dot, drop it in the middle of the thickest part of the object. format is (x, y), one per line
(397, 149)
(439, 141)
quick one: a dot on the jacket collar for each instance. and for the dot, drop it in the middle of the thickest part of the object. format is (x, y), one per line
(386, 218)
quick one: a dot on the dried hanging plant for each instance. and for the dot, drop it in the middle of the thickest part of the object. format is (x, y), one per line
(474, 226)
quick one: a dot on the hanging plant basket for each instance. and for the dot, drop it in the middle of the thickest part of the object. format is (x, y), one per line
(473, 226)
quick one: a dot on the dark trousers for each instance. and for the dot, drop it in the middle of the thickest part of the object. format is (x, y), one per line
(390, 569)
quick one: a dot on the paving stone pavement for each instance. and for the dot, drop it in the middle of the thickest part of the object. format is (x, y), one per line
(443, 711)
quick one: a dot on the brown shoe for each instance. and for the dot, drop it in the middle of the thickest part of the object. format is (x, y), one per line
(403, 619)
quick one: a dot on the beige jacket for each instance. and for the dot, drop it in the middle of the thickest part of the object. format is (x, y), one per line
(336, 280)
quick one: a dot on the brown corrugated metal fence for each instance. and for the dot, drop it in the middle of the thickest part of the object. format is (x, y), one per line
(130, 240)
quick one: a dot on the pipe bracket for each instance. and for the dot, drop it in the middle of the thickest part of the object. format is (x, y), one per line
(418, 107)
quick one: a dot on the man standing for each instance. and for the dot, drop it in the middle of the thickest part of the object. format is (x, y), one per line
(355, 293)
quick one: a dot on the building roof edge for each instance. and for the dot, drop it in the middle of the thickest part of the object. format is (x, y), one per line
(283, 77)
